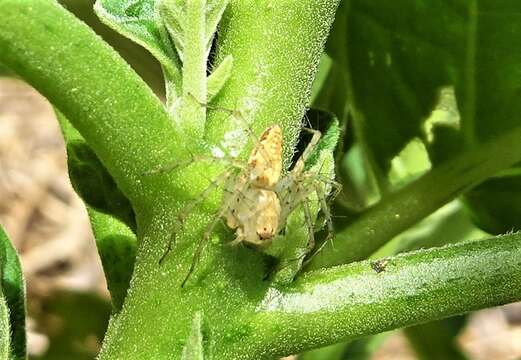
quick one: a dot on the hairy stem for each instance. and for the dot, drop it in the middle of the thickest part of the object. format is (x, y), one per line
(284, 40)
(276, 47)
(194, 70)
(90, 83)
(345, 302)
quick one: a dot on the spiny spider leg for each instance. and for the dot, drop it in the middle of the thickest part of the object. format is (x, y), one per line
(325, 209)
(308, 219)
(299, 165)
(337, 189)
(193, 159)
(200, 247)
(187, 209)
(329, 222)
(206, 236)
(336, 186)
(309, 223)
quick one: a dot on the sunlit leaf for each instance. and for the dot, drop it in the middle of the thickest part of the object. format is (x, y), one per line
(139, 21)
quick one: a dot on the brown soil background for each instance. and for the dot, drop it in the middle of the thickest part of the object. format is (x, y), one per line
(68, 302)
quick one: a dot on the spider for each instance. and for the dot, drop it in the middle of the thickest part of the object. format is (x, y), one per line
(257, 199)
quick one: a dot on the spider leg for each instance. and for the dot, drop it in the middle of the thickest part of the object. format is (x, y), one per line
(239, 238)
(311, 228)
(169, 246)
(335, 185)
(200, 247)
(166, 168)
(329, 222)
(236, 114)
(299, 165)
(336, 188)
(204, 240)
(187, 210)
(308, 219)
(325, 209)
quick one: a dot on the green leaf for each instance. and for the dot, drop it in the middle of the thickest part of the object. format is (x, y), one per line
(173, 13)
(487, 60)
(214, 12)
(333, 92)
(495, 205)
(320, 80)
(359, 349)
(292, 248)
(139, 21)
(418, 199)
(326, 147)
(219, 76)
(91, 180)
(492, 61)
(394, 58)
(471, 49)
(115, 239)
(117, 246)
(5, 330)
(83, 318)
(135, 55)
(364, 348)
(193, 349)
(490, 79)
(13, 288)
(437, 340)
(94, 184)
(193, 23)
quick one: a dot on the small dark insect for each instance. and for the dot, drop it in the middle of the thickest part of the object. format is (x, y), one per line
(379, 265)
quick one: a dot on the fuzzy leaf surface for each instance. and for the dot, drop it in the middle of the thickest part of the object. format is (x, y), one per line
(12, 286)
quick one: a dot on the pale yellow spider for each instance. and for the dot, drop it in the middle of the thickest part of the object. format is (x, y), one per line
(257, 200)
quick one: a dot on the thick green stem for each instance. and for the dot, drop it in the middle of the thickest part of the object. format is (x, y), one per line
(414, 202)
(276, 47)
(328, 306)
(274, 63)
(114, 110)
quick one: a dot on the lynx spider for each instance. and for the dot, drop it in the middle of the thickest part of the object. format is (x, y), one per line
(257, 200)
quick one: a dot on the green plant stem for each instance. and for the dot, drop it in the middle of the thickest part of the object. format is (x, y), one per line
(350, 301)
(114, 110)
(194, 70)
(412, 203)
(276, 47)
(284, 42)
